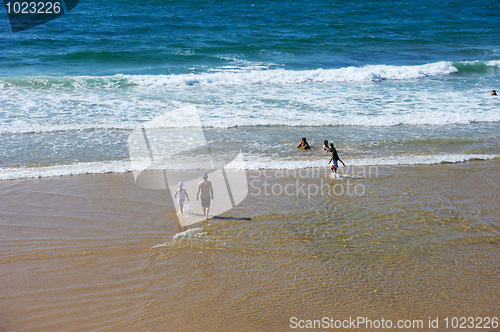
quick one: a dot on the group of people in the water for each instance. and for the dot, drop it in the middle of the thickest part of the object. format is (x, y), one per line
(329, 148)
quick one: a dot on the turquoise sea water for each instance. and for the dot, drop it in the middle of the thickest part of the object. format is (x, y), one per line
(385, 74)
(174, 37)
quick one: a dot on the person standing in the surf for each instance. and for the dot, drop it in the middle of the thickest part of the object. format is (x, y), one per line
(334, 159)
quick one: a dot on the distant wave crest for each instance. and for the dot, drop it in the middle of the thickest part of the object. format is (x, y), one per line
(254, 76)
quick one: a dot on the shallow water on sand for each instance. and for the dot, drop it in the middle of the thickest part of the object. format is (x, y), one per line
(98, 252)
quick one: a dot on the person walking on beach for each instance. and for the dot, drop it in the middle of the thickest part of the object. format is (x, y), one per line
(334, 159)
(304, 144)
(182, 197)
(205, 192)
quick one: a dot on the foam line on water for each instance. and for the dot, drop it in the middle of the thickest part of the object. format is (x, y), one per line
(246, 76)
(282, 76)
(248, 164)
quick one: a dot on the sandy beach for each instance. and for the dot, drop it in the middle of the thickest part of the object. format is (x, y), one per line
(97, 252)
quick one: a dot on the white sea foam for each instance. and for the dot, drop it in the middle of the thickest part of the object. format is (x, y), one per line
(421, 159)
(65, 170)
(251, 97)
(281, 76)
(192, 233)
(494, 63)
(237, 75)
(257, 107)
(383, 161)
(19, 127)
(244, 74)
(248, 164)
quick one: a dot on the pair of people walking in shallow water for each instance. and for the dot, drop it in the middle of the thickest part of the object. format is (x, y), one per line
(328, 148)
(205, 192)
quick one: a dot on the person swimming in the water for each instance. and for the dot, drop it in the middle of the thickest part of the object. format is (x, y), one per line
(304, 145)
(494, 93)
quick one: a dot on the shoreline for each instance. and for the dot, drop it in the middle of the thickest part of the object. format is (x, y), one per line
(41, 173)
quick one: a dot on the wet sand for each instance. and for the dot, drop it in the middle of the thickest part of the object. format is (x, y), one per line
(97, 252)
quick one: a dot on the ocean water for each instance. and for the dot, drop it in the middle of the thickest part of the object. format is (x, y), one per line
(389, 82)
